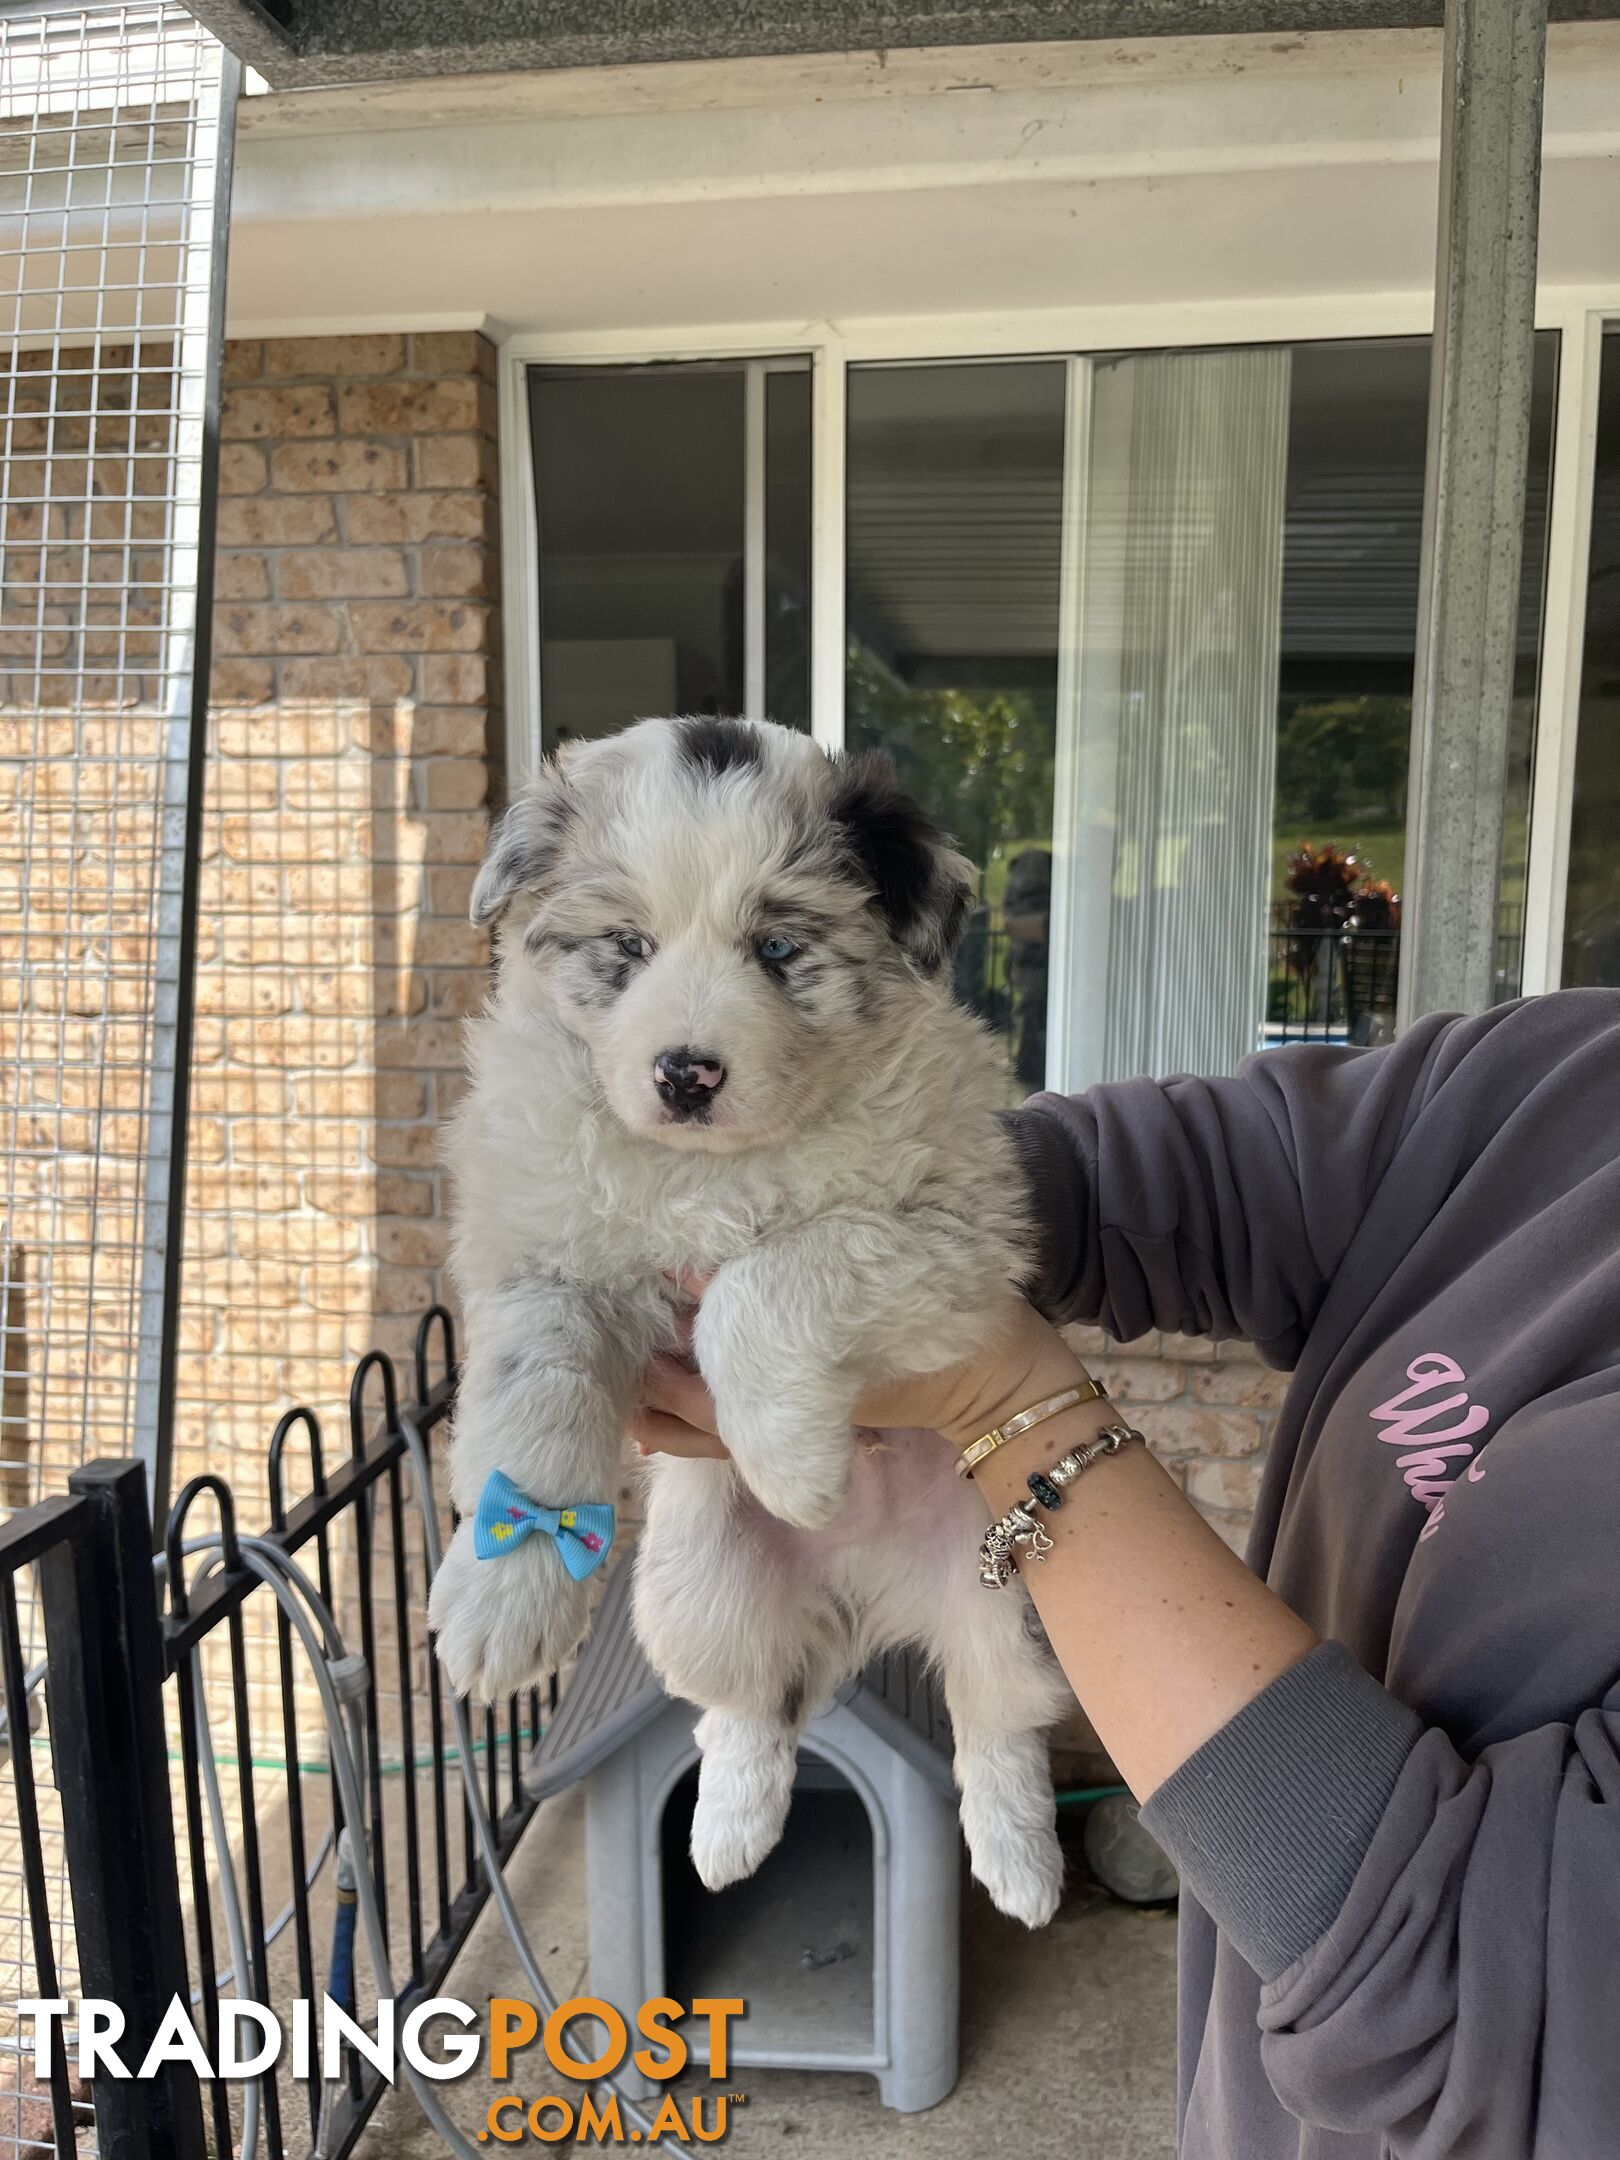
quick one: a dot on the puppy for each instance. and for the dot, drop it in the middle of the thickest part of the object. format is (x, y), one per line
(723, 1039)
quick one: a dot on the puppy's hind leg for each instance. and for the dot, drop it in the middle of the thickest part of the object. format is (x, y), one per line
(732, 1623)
(1004, 1690)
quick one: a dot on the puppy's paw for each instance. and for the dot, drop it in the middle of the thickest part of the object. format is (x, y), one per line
(1023, 1872)
(504, 1624)
(738, 1819)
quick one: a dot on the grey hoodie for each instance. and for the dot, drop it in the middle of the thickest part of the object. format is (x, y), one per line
(1401, 1863)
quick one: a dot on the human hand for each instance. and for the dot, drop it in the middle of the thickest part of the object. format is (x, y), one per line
(1025, 1360)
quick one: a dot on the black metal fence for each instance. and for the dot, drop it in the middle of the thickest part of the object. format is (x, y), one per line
(153, 1857)
(1331, 985)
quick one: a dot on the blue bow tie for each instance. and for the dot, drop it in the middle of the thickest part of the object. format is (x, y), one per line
(505, 1517)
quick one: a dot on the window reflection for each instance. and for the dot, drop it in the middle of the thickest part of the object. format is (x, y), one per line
(955, 477)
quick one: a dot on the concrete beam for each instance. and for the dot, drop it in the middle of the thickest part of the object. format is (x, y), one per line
(1473, 513)
(308, 43)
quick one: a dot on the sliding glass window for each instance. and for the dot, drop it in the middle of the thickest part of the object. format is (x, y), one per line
(954, 539)
(1358, 418)
(1592, 912)
(673, 509)
(1138, 630)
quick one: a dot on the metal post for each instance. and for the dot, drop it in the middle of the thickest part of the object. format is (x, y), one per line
(105, 1691)
(199, 352)
(1473, 508)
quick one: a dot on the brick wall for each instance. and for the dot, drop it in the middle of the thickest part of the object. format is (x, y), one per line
(355, 713)
(1207, 1410)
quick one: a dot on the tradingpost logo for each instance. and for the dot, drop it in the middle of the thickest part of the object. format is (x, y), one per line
(553, 2073)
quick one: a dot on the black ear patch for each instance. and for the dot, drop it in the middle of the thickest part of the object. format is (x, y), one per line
(524, 845)
(920, 885)
(713, 747)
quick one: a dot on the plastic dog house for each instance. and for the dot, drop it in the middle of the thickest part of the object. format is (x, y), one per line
(844, 1945)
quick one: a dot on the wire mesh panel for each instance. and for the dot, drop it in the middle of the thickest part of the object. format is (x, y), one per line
(109, 142)
(112, 177)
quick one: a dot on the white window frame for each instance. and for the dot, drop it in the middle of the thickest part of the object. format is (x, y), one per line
(1563, 636)
(1076, 336)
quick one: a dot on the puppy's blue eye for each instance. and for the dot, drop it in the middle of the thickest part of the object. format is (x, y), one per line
(775, 950)
(632, 944)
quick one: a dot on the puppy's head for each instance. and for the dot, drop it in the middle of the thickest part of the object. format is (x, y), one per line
(723, 914)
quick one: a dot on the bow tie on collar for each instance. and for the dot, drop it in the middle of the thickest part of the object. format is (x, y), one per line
(505, 1517)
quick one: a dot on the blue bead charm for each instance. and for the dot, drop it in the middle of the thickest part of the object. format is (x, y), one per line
(1044, 1490)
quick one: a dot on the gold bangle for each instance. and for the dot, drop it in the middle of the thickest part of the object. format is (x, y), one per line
(1037, 1414)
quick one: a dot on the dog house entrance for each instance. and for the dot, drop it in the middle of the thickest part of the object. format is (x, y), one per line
(795, 1940)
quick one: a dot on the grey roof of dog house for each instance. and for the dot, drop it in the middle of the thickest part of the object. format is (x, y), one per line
(614, 1693)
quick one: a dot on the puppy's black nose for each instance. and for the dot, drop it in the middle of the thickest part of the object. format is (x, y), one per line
(688, 1080)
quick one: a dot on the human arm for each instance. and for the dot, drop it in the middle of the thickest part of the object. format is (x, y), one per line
(1434, 1920)
(1163, 1632)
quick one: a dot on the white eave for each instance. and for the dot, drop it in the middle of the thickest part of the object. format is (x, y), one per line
(872, 188)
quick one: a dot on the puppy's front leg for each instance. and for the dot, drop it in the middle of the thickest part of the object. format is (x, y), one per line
(544, 1393)
(790, 1332)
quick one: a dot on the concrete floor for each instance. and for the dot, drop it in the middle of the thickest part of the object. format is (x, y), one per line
(1067, 2035)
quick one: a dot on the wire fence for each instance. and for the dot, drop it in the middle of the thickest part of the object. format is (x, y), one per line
(114, 129)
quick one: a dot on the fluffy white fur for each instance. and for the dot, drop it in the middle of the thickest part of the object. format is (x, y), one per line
(861, 1209)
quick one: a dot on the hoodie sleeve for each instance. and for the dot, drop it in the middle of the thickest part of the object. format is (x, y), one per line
(1219, 1207)
(1437, 1936)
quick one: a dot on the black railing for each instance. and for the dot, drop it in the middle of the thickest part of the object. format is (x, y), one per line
(123, 1676)
(1331, 985)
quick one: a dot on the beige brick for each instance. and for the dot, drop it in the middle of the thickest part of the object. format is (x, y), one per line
(351, 1198)
(426, 626)
(454, 679)
(341, 573)
(404, 1147)
(413, 1244)
(240, 577)
(408, 408)
(1232, 1486)
(1190, 1349)
(454, 783)
(367, 353)
(455, 573)
(273, 629)
(241, 682)
(1249, 1387)
(439, 731)
(253, 414)
(449, 889)
(402, 1290)
(1138, 1380)
(320, 1045)
(1233, 1530)
(452, 352)
(350, 677)
(242, 469)
(238, 1094)
(1177, 1432)
(277, 521)
(397, 1193)
(403, 520)
(419, 1046)
(455, 995)
(399, 1095)
(455, 461)
(449, 942)
(444, 836)
(341, 468)
(242, 360)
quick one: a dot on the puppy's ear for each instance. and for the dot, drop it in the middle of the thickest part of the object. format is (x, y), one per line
(920, 884)
(524, 844)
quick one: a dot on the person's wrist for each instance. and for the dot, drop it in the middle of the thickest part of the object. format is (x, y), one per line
(1038, 1371)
